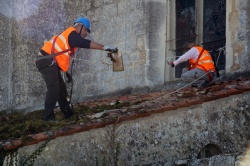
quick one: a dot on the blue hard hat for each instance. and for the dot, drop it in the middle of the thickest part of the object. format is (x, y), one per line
(84, 21)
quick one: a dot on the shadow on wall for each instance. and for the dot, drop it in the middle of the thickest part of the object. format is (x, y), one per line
(37, 20)
(5, 61)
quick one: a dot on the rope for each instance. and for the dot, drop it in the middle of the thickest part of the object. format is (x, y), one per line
(219, 49)
(71, 90)
(187, 84)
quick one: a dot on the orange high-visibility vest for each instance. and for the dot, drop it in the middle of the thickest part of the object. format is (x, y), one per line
(204, 63)
(61, 44)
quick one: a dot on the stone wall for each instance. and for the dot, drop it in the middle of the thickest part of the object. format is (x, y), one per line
(237, 26)
(163, 138)
(137, 27)
(6, 55)
(243, 33)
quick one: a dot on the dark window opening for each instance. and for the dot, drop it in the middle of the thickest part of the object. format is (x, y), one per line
(214, 29)
(185, 29)
(209, 150)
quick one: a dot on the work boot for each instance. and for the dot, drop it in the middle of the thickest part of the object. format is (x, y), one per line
(194, 86)
(204, 84)
(48, 115)
(50, 119)
(68, 112)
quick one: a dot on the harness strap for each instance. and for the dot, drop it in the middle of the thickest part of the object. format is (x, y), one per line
(193, 66)
(199, 57)
(208, 73)
(196, 63)
(52, 55)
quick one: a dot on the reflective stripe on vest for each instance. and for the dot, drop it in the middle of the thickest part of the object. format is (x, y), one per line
(61, 44)
(205, 62)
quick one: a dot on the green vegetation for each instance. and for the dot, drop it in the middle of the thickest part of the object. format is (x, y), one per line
(19, 125)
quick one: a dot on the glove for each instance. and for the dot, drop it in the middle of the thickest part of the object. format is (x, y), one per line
(110, 48)
(69, 77)
(171, 64)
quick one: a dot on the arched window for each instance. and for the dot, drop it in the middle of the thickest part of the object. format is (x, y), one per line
(209, 150)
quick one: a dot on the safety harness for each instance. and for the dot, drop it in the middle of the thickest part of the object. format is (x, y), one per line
(52, 51)
(192, 66)
(53, 55)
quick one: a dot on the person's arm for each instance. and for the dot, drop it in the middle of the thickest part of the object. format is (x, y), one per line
(76, 41)
(191, 54)
(97, 46)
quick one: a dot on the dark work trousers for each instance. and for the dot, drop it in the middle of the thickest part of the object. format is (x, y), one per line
(56, 91)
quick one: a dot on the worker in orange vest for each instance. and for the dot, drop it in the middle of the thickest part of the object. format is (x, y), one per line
(201, 68)
(55, 56)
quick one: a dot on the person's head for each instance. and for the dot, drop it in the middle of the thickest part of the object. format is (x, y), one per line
(189, 45)
(82, 25)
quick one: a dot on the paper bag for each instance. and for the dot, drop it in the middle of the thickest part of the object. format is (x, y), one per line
(118, 64)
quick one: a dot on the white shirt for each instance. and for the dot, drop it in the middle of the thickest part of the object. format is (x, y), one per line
(193, 53)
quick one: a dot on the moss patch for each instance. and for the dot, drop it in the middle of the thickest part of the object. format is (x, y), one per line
(19, 125)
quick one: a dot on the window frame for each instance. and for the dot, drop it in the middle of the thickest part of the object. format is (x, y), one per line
(171, 31)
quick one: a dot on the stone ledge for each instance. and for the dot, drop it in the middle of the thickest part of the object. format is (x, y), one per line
(152, 103)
